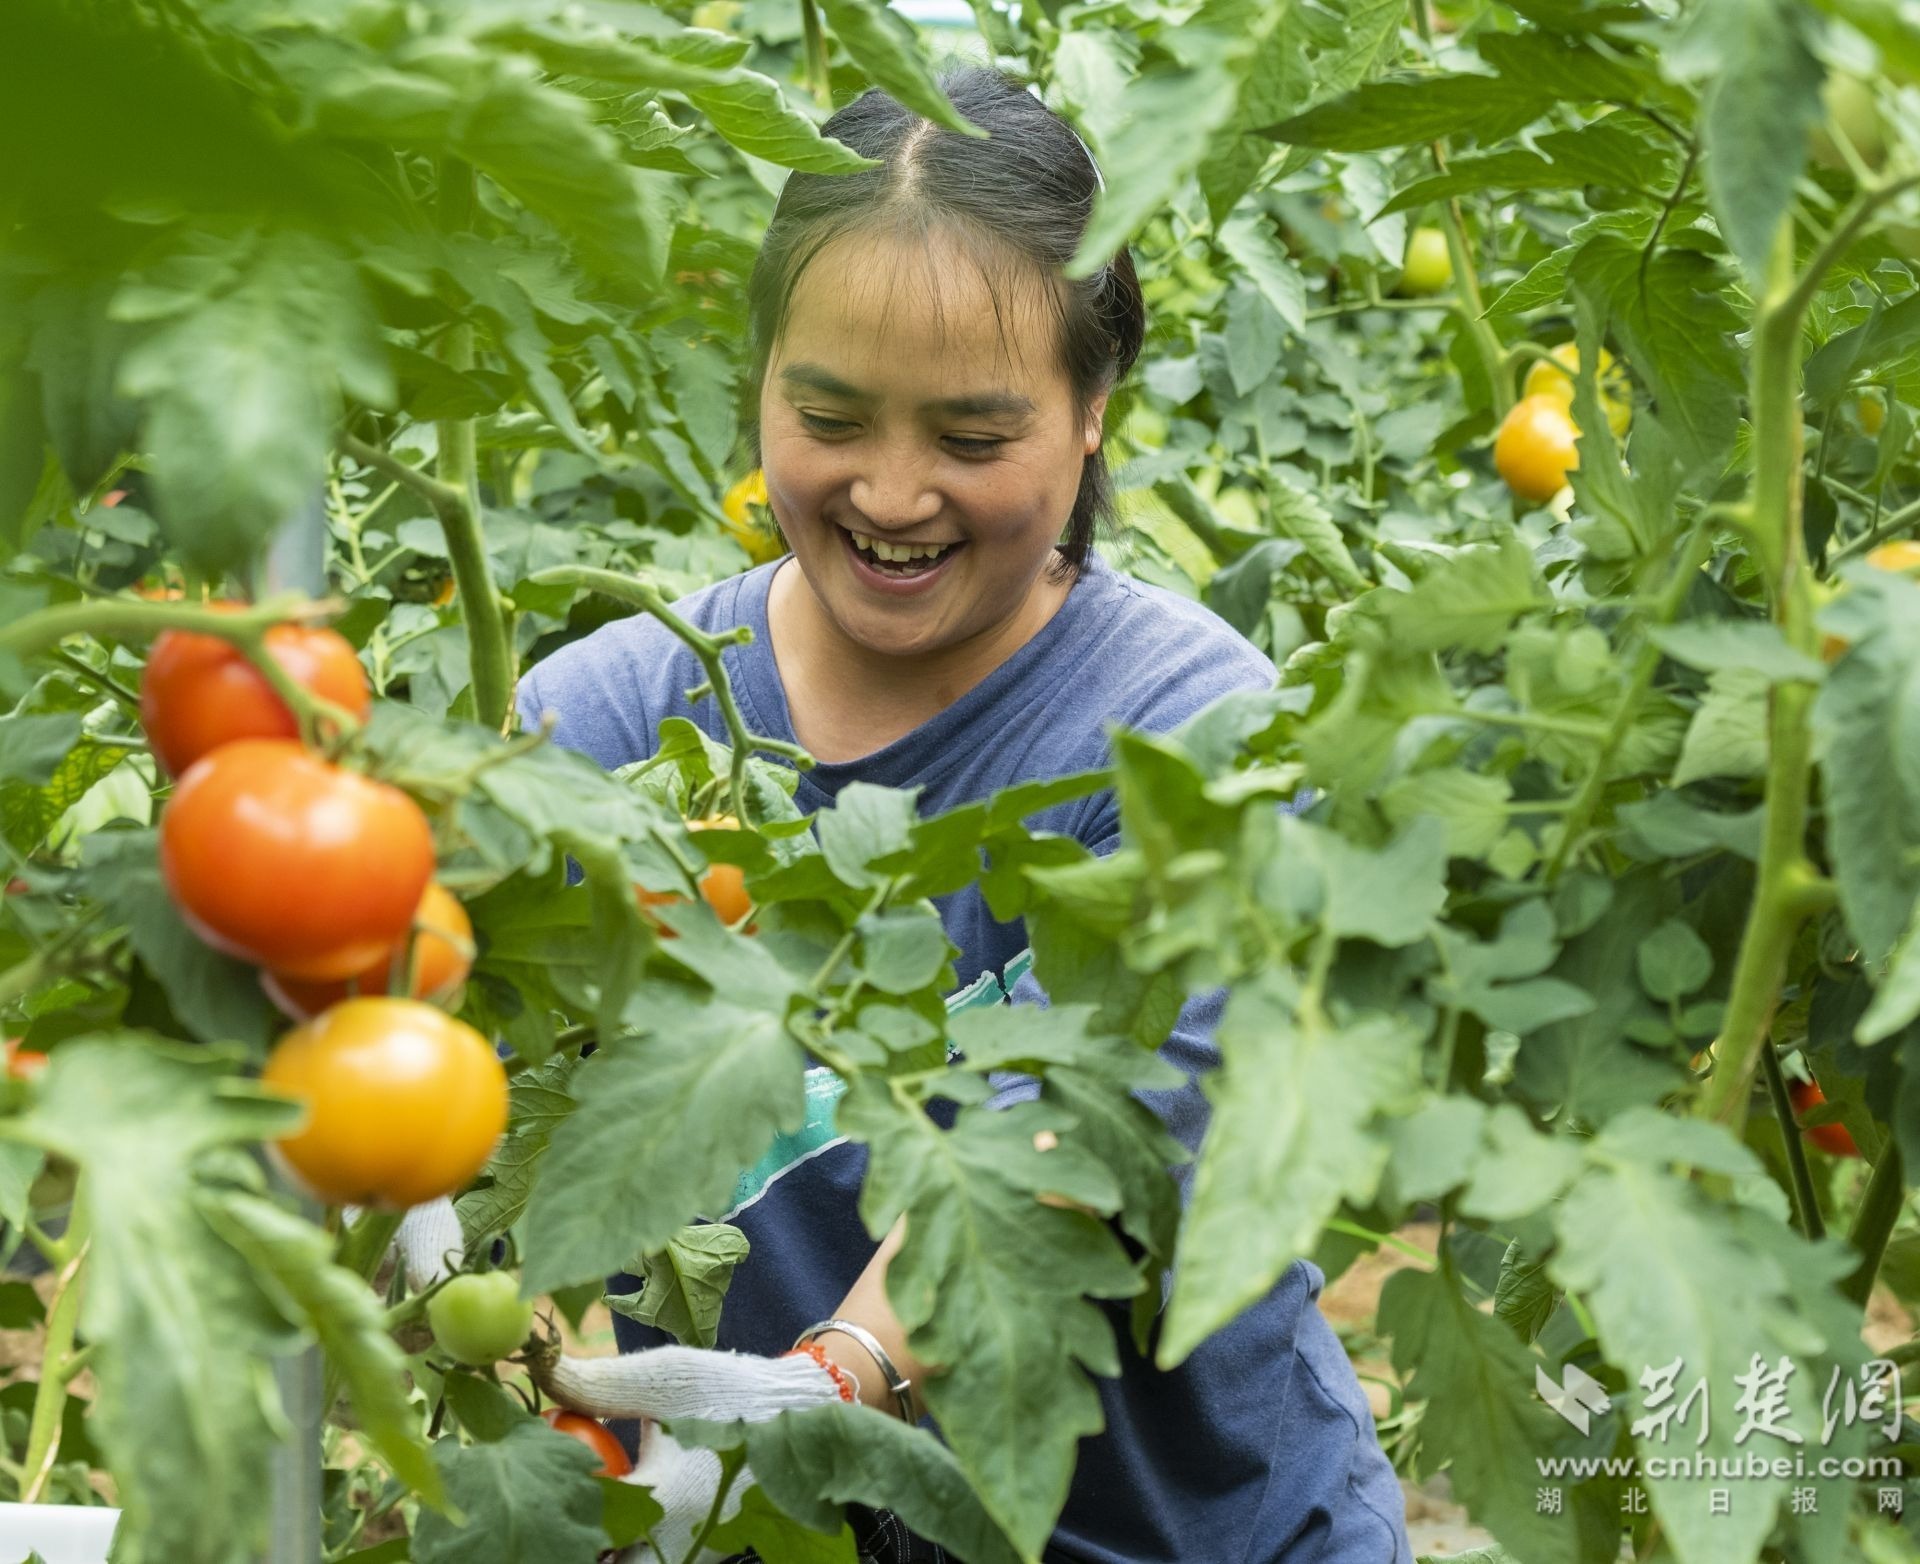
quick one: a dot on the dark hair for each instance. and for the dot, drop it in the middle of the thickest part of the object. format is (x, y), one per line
(1025, 191)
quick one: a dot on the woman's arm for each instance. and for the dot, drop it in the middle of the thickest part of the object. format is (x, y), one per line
(866, 1304)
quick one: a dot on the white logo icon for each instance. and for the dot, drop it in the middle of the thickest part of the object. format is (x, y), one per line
(1578, 1395)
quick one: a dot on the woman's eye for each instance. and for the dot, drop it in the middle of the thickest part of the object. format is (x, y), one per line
(966, 445)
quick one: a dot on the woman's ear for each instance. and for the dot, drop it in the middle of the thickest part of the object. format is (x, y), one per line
(1096, 422)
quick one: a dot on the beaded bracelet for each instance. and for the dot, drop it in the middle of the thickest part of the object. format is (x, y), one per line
(898, 1383)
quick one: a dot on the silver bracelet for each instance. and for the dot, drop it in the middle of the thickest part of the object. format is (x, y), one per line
(898, 1383)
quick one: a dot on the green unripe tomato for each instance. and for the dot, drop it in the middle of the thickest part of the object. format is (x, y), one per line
(478, 1320)
(1851, 111)
(1429, 268)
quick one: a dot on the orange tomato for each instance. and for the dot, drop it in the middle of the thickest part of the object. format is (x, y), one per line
(1833, 1139)
(282, 859)
(404, 1103)
(24, 1064)
(1535, 449)
(595, 1436)
(1554, 376)
(1901, 555)
(438, 954)
(723, 887)
(198, 692)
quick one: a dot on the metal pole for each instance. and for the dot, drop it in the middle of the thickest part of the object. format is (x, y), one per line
(296, 561)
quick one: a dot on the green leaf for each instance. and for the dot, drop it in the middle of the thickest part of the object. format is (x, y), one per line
(665, 1123)
(340, 1309)
(1165, 120)
(884, 47)
(902, 951)
(1674, 962)
(1482, 1419)
(811, 1463)
(1733, 1282)
(1254, 245)
(539, 1101)
(1471, 805)
(865, 823)
(1467, 600)
(1761, 97)
(686, 1283)
(1716, 645)
(1395, 113)
(240, 376)
(1728, 734)
(218, 998)
(1896, 998)
(995, 1284)
(774, 1535)
(1866, 735)
(180, 1326)
(1292, 1135)
(1303, 516)
(750, 112)
(1390, 896)
(526, 1498)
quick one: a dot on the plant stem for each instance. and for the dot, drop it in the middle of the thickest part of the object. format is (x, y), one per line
(489, 648)
(63, 1318)
(1672, 598)
(1806, 1203)
(135, 619)
(1873, 1223)
(707, 648)
(1774, 518)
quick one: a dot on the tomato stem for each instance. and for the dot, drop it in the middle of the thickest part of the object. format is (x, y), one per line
(1873, 1223)
(1806, 1203)
(707, 648)
(63, 1319)
(819, 73)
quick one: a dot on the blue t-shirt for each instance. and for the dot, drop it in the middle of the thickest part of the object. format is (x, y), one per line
(1260, 1448)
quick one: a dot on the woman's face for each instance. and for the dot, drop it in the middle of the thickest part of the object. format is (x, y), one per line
(900, 413)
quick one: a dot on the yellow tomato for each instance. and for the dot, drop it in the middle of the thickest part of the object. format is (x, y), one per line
(1873, 414)
(1554, 376)
(1902, 555)
(404, 1103)
(750, 522)
(1428, 268)
(1535, 449)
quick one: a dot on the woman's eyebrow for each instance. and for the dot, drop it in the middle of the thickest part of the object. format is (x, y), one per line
(979, 404)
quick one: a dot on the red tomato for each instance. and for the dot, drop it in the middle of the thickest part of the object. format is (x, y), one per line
(404, 1103)
(198, 692)
(24, 1064)
(595, 1436)
(436, 965)
(1833, 1139)
(282, 859)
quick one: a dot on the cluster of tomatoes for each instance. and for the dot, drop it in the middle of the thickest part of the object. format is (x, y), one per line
(323, 878)
(1536, 447)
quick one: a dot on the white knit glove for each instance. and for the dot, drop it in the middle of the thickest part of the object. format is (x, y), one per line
(431, 1243)
(661, 1384)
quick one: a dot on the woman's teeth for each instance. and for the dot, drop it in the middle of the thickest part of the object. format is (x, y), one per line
(897, 553)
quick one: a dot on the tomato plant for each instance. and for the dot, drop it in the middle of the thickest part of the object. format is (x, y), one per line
(480, 1319)
(422, 331)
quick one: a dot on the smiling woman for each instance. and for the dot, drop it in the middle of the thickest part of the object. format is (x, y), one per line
(931, 390)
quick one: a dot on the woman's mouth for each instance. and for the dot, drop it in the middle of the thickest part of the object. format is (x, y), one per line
(897, 565)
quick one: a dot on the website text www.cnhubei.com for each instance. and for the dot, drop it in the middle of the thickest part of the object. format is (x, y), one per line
(1749, 1465)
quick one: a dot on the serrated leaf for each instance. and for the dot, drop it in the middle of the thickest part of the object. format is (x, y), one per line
(1395, 113)
(1713, 645)
(774, 1535)
(1728, 734)
(1467, 600)
(180, 1327)
(995, 1284)
(884, 48)
(1292, 1135)
(686, 1283)
(526, 1498)
(1252, 242)
(663, 1126)
(811, 1463)
(538, 1101)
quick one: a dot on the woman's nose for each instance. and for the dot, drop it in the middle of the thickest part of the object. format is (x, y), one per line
(894, 491)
